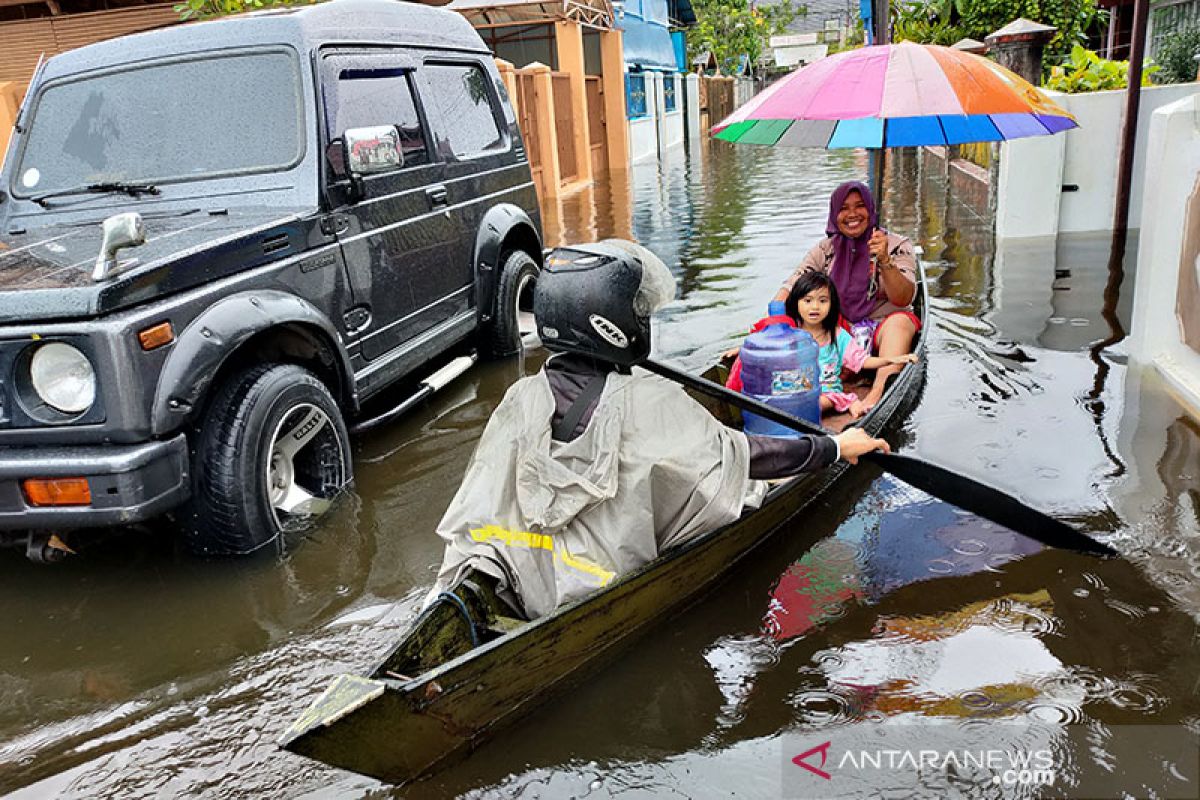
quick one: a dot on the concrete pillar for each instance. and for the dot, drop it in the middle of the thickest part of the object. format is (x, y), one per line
(568, 43)
(543, 116)
(1019, 45)
(612, 71)
(691, 96)
(660, 111)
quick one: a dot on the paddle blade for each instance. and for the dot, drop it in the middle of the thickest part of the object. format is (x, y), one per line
(988, 503)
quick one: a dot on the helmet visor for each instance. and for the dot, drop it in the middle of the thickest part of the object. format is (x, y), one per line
(658, 284)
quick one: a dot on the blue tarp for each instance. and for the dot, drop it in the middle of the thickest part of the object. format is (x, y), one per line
(647, 45)
(677, 38)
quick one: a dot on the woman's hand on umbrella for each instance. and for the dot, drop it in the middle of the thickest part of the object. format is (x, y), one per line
(879, 248)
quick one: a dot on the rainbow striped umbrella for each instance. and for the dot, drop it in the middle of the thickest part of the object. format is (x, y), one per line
(895, 95)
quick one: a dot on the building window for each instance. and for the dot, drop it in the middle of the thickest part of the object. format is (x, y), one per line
(635, 95)
(670, 85)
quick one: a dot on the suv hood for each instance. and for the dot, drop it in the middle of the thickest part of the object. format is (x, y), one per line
(46, 273)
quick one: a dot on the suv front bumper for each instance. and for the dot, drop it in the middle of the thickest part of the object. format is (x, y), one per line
(128, 483)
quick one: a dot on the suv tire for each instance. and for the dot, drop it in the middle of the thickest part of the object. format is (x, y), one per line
(513, 313)
(250, 478)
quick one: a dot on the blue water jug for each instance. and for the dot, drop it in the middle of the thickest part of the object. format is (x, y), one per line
(779, 367)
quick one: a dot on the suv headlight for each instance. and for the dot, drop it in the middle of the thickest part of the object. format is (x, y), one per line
(63, 377)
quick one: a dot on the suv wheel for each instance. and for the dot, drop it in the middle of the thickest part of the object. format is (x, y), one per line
(512, 318)
(270, 455)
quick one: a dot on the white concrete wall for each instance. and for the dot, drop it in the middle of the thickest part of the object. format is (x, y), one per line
(660, 131)
(1172, 171)
(1029, 188)
(643, 139)
(1030, 200)
(673, 129)
(1092, 151)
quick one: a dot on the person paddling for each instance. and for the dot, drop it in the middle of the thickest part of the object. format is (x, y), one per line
(592, 467)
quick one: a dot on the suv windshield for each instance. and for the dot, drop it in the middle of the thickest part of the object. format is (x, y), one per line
(168, 121)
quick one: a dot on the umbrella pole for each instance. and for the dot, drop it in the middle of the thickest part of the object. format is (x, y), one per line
(878, 158)
(882, 30)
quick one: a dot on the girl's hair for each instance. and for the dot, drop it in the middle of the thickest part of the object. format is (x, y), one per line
(809, 282)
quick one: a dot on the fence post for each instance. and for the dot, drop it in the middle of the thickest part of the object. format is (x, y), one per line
(11, 94)
(691, 94)
(543, 115)
(509, 76)
(568, 42)
(612, 67)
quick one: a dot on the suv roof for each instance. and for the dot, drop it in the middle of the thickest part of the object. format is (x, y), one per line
(348, 21)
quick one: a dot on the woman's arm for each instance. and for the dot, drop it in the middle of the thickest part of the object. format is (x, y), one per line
(897, 268)
(875, 362)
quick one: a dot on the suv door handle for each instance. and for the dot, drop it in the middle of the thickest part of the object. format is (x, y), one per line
(437, 195)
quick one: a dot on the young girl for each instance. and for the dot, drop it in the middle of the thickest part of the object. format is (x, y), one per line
(813, 303)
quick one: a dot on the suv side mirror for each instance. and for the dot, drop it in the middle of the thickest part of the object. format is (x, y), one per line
(372, 150)
(369, 151)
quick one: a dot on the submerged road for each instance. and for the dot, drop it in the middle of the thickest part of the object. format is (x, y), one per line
(134, 670)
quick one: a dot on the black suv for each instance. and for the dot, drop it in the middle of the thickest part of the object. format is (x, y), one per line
(218, 240)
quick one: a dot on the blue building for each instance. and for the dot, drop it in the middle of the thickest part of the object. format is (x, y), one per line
(655, 56)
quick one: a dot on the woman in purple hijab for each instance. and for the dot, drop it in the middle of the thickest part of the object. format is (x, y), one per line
(875, 273)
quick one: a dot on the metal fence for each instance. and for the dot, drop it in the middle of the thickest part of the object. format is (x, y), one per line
(1170, 16)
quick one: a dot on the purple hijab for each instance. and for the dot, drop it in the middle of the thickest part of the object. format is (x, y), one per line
(851, 268)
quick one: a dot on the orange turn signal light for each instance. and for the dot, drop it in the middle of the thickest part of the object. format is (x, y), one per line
(156, 336)
(57, 491)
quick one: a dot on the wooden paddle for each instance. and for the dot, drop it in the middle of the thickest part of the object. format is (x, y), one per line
(958, 490)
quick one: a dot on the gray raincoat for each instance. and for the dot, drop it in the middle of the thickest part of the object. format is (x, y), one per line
(554, 521)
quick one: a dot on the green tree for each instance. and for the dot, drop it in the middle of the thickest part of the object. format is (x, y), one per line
(947, 21)
(730, 29)
(207, 9)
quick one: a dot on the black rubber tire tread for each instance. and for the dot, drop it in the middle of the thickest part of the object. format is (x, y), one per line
(502, 337)
(229, 512)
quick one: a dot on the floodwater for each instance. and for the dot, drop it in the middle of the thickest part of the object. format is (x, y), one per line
(134, 670)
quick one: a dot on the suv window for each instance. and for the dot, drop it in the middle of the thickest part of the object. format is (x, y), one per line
(462, 95)
(129, 125)
(364, 98)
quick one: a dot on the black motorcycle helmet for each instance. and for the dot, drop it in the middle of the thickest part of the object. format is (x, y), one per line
(596, 300)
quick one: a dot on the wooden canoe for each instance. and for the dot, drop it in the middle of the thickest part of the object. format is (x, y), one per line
(437, 694)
